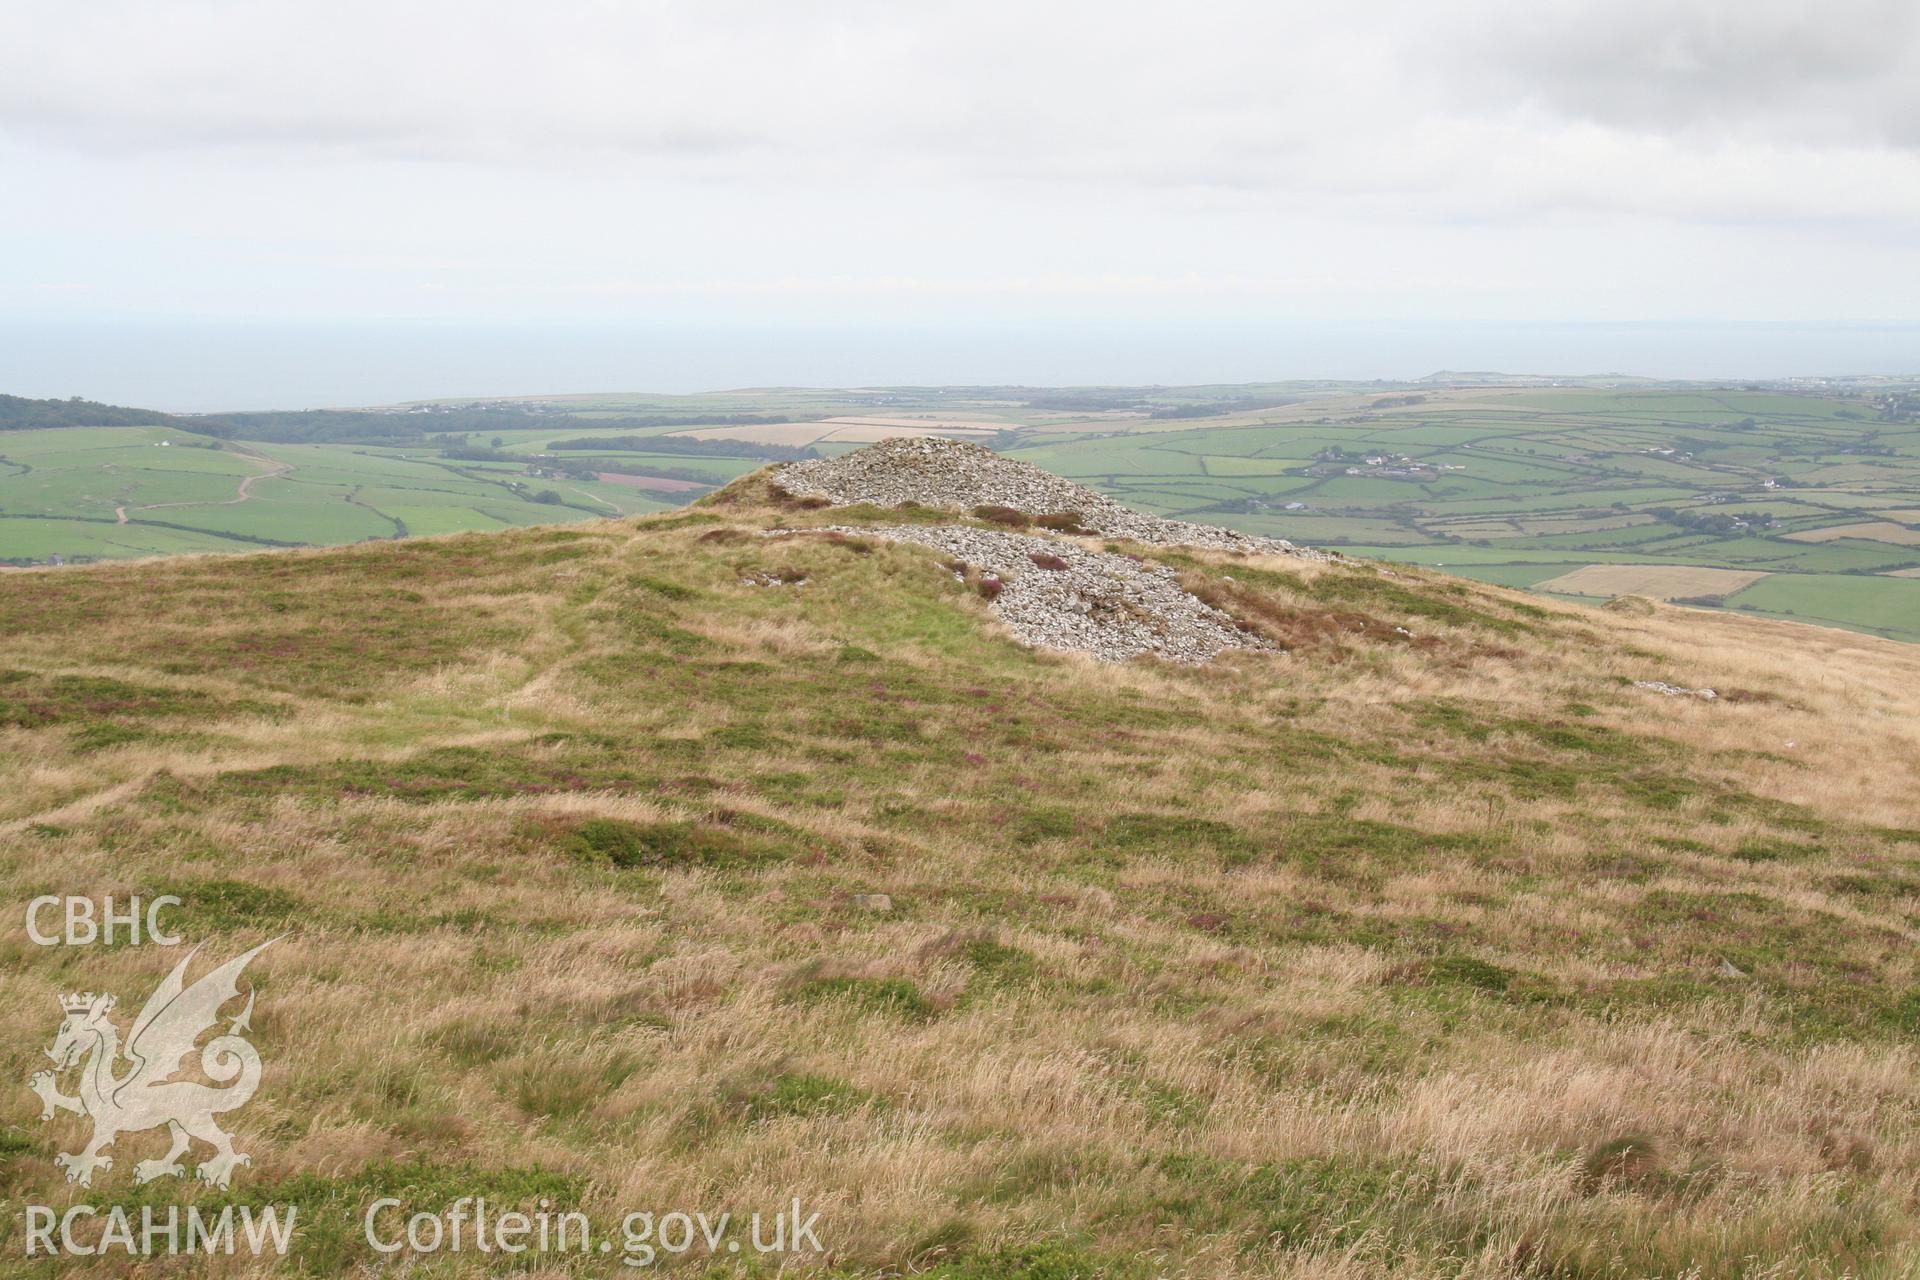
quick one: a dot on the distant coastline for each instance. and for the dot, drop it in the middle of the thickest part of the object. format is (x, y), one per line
(209, 366)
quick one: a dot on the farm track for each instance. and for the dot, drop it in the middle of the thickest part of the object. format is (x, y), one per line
(241, 494)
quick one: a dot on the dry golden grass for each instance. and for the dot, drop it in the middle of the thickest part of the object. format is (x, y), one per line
(1872, 530)
(1390, 955)
(1656, 581)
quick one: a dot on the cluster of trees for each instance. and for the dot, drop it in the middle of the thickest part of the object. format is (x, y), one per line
(333, 426)
(1214, 408)
(460, 449)
(1717, 522)
(20, 414)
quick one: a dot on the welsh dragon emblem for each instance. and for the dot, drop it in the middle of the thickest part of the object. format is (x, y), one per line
(146, 1096)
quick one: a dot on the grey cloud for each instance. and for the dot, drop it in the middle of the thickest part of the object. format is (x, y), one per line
(1448, 109)
(1836, 72)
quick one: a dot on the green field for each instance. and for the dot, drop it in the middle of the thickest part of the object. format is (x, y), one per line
(81, 493)
(1515, 485)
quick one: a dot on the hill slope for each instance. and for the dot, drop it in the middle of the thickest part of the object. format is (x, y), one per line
(1421, 941)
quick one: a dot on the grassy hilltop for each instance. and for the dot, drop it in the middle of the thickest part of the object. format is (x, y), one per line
(1429, 946)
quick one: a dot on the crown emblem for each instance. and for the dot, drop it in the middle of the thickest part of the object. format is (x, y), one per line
(81, 1001)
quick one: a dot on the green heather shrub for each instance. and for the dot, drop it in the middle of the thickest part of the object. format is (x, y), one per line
(1011, 517)
(620, 843)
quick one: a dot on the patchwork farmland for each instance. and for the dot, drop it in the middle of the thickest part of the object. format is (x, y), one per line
(1789, 501)
(1774, 502)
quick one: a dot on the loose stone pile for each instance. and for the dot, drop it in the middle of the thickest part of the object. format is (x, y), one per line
(1675, 690)
(1110, 606)
(1050, 591)
(937, 472)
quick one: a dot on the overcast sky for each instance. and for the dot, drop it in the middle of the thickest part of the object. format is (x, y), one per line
(723, 162)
